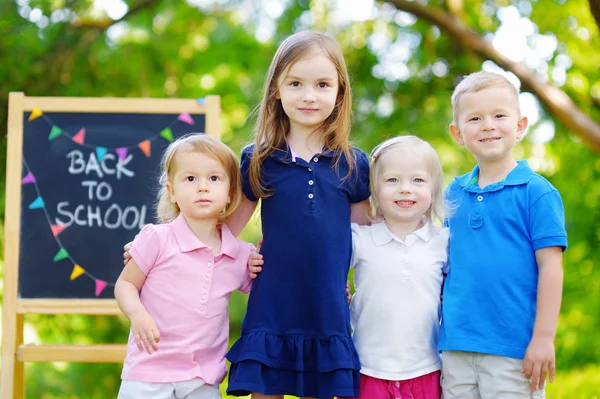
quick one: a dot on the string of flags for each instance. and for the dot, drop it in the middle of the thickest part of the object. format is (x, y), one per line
(145, 146)
(79, 138)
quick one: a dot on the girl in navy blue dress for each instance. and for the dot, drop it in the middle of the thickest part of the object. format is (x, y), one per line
(311, 182)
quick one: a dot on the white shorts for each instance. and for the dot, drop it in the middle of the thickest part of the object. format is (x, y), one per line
(192, 389)
(468, 375)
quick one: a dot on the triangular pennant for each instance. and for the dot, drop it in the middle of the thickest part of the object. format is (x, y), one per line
(60, 255)
(201, 101)
(30, 178)
(122, 153)
(186, 118)
(35, 113)
(145, 146)
(77, 271)
(100, 285)
(54, 133)
(37, 204)
(167, 134)
(100, 153)
(57, 229)
(79, 138)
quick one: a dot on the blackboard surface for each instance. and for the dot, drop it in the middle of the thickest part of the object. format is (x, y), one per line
(95, 197)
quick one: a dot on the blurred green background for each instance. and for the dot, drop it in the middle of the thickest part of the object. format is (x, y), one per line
(404, 58)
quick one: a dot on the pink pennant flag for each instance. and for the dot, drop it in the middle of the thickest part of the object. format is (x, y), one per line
(30, 178)
(122, 153)
(186, 118)
(80, 136)
(100, 285)
(57, 229)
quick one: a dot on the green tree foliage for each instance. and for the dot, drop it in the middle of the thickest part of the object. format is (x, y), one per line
(403, 70)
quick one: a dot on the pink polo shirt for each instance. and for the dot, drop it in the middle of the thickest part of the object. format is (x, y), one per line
(186, 292)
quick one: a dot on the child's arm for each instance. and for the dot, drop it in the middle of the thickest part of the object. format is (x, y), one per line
(127, 290)
(241, 216)
(540, 356)
(360, 212)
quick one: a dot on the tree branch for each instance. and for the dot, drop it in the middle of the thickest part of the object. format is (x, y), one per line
(595, 10)
(554, 99)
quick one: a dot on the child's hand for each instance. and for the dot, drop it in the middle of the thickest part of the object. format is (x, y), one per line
(255, 261)
(348, 295)
(539, 360)
(144, 331)
(126, 254)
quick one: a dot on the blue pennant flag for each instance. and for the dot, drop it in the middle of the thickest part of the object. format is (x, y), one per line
(100, 152)
(37, 204)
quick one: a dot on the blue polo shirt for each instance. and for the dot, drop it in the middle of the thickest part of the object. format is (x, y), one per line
(297, 316)
(490, 293)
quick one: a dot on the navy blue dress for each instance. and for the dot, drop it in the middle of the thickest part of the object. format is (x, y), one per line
(296, 333)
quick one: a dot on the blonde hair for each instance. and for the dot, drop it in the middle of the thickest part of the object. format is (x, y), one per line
(167, 211)
(273, 123)
(414, 144)
(479, 81)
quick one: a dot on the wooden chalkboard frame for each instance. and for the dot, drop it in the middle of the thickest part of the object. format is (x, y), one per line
(14, 353)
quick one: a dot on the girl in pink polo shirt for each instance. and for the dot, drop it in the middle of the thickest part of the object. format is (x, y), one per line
(399, 262)
(176, 288)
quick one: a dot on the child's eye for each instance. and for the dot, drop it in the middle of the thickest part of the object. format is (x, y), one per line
(190, 178)
(419, 180)
(323, 85)
(500, 116)
(475, 118)
(214, 178)
(392, 180)
(295, 84)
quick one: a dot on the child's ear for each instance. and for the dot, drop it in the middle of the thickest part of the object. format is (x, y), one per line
(277, 95)
(171, 192)
(455, 132)
(521, 126)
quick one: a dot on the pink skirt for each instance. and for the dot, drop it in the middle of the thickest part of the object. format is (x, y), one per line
(424, 387)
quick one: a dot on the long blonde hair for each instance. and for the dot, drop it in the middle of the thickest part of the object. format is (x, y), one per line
(273, 123)
(415, 144)
(166, 210)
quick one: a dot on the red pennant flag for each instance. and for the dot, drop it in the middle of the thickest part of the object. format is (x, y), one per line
(145, 146)
(57, 229)
(100, 285)
(80, 136)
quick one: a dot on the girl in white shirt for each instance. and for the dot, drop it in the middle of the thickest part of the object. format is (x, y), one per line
(400, 264)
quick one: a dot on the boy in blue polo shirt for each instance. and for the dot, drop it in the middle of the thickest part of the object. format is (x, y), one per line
(503, 291)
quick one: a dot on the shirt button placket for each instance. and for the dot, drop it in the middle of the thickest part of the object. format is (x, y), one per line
(206, 286)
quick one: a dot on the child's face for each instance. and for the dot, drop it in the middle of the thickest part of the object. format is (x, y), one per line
(308, 91)
(405, 186)
(489, 124)
(200, 185)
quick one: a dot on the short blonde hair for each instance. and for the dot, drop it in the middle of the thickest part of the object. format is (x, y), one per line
(413, 143)
(479, 81)
(167, 211)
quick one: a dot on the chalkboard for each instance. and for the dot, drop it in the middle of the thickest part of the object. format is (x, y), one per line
(89, 183)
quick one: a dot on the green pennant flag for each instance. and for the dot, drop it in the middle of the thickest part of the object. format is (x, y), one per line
(54, 133)
(60, 255)
(167, 134)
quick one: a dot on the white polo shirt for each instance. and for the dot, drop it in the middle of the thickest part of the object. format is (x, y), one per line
(395, 312)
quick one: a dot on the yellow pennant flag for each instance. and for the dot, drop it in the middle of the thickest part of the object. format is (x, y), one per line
(77, 271)
(35, 113)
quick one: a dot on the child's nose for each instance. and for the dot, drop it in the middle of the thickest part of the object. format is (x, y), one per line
(309, 96)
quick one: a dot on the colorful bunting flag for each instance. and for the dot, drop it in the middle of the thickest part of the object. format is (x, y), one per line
(101, 152)
(167, 134)
(122, 153)
(145, 146)
(29, 178)
(201, 101)
(35, 113)
(60, 255)
(77, 271)
(57, 229)
(54, 133)
(37, 204)
(79, 138)
(100, 285)
(186, 118)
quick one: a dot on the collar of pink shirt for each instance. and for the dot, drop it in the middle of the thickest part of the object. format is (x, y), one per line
(187, 241)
